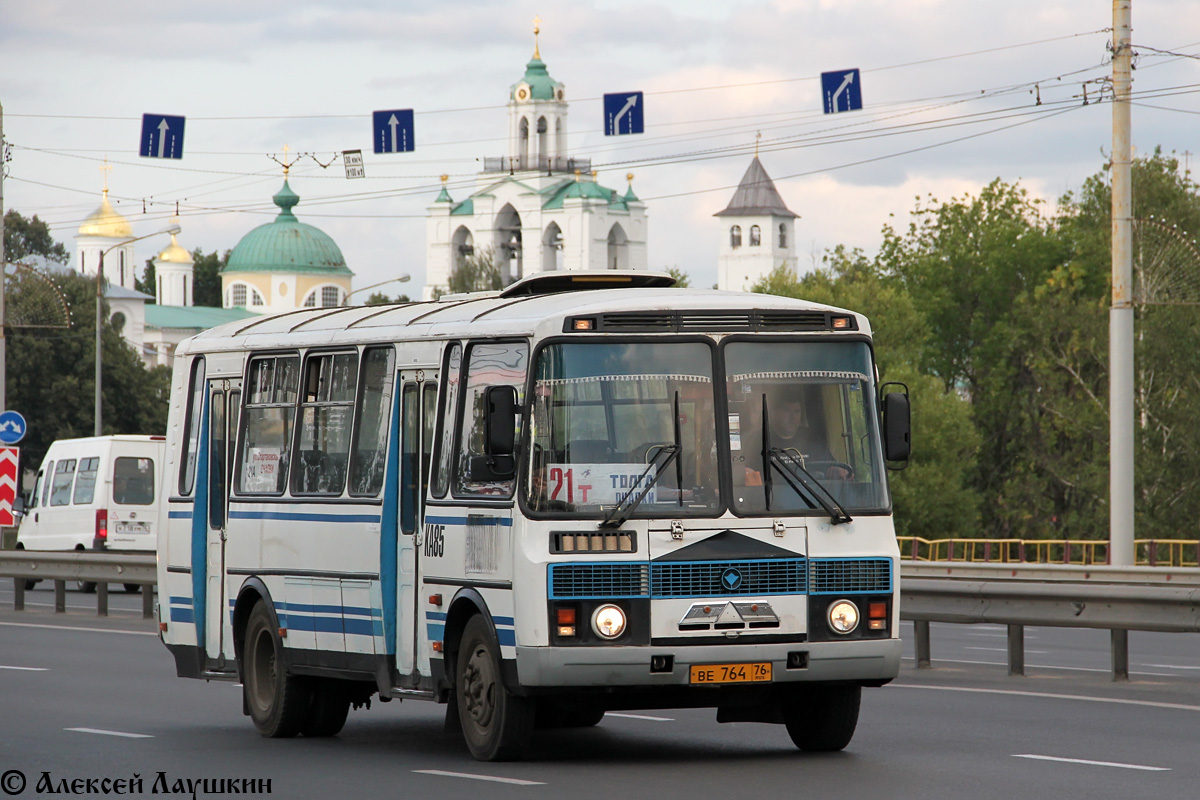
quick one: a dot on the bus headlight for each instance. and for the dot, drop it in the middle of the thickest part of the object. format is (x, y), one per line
(608, 621)
(843, 616)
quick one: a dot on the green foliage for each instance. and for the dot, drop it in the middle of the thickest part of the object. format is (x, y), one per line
(25, 237)
(478, 272)
(51, 377)
(381, 299)
(206, 277)
(682, 279)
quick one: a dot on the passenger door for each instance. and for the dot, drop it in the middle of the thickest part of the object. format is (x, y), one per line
(225, 397)
(418, 412)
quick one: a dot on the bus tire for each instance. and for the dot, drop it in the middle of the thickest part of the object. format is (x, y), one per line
(822, 718)
(330, 707)
(278, 703)
(496, 723)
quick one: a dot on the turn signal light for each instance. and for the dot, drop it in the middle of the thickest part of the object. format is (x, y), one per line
(877, 610)
(566, 616)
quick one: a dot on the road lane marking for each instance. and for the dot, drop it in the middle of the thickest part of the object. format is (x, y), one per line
(1005, 650)
(111, 733)
(27, 669)
(1093, 763)
(1050, 695)
(76, 628)
(641, 716)
(1167, 666)
(472, 776)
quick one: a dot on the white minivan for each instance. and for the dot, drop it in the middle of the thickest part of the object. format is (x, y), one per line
(95, 493)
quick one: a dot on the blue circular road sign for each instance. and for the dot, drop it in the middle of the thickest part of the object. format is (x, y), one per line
(12, 427)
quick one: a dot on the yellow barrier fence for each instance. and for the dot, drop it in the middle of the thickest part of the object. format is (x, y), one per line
(1147, 552)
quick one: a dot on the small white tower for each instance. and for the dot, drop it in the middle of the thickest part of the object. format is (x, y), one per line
(173, 274)
(758, 232)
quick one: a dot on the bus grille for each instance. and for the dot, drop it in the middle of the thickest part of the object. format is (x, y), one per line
(599, 580)
(851, 575)
(728, 578)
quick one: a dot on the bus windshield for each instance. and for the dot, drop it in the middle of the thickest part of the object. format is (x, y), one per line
(609, 419)
(803, 412)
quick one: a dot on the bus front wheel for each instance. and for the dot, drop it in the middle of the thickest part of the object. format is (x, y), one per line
(822, 718)
(278, 703)
(496, 723)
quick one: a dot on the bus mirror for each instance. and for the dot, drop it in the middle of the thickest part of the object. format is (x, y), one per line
(897, 424)
(500, 421)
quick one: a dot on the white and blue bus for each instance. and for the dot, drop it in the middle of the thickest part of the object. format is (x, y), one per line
(587, 492)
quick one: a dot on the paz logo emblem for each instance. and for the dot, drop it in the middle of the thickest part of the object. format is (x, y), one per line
(731, 578)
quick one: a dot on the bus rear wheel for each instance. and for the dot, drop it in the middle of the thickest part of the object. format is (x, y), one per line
(279, 704)
(822, 718)
(496, 723)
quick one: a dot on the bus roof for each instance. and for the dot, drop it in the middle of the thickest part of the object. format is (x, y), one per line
(641, 310)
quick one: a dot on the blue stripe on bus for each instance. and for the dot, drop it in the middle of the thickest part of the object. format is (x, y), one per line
(181, 601)
(296, 516)
(504, 522)
(309, 608)
(179, 514)
(181, 615)
(435, 631)
(507, 637)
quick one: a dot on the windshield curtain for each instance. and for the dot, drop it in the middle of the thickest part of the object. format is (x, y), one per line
(602, 415)
(819, 401)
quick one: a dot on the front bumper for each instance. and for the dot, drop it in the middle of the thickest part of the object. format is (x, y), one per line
(866, 661)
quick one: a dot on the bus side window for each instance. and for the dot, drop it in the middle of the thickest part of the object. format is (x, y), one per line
(447, 415)
(37, 488)
(270, 412)
(191, 433)
(369, 452)
(326, 412)
(489, 364)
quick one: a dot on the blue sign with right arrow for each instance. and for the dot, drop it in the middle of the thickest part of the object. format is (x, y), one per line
(841, 91)
(393, 131)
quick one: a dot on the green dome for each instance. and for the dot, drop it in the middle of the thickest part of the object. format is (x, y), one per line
(541, 85)
(287, 245)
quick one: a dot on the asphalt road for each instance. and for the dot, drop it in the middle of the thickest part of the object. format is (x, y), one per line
(83, 697)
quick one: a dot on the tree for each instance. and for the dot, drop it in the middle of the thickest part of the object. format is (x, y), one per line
(381, 299)
(682, 279)
(206, 277)
(30, 237)
(477, 272)
(51, 376)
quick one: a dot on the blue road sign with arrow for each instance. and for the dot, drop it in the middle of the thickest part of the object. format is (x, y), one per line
(393, 131)
(162, 136)
(841, 91)
(12, 427)
(624, 112)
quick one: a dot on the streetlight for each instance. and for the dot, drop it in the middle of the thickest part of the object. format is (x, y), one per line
(174, 229)
(402, 279)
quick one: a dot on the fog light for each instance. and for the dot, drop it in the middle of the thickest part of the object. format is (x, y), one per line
(566, 630)
(877, 624)
(843, 616)
(608, 622)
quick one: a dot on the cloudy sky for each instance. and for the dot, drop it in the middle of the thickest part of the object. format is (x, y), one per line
(951, 92)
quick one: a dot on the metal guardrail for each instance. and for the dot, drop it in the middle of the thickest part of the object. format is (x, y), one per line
(1113, 598)
(72, 565)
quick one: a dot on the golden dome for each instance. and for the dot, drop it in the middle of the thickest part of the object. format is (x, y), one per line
(106, 222)
(175, 254)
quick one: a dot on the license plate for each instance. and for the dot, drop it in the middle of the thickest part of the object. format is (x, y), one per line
(131, 527)
(758, 672)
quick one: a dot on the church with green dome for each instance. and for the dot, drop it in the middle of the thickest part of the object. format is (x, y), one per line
(285, 264)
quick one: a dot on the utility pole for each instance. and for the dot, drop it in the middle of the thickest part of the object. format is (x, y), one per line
(1120, 315)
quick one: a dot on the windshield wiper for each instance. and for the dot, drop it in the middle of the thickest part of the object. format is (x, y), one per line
(805, 483)
(629, 503)
(665, 456)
